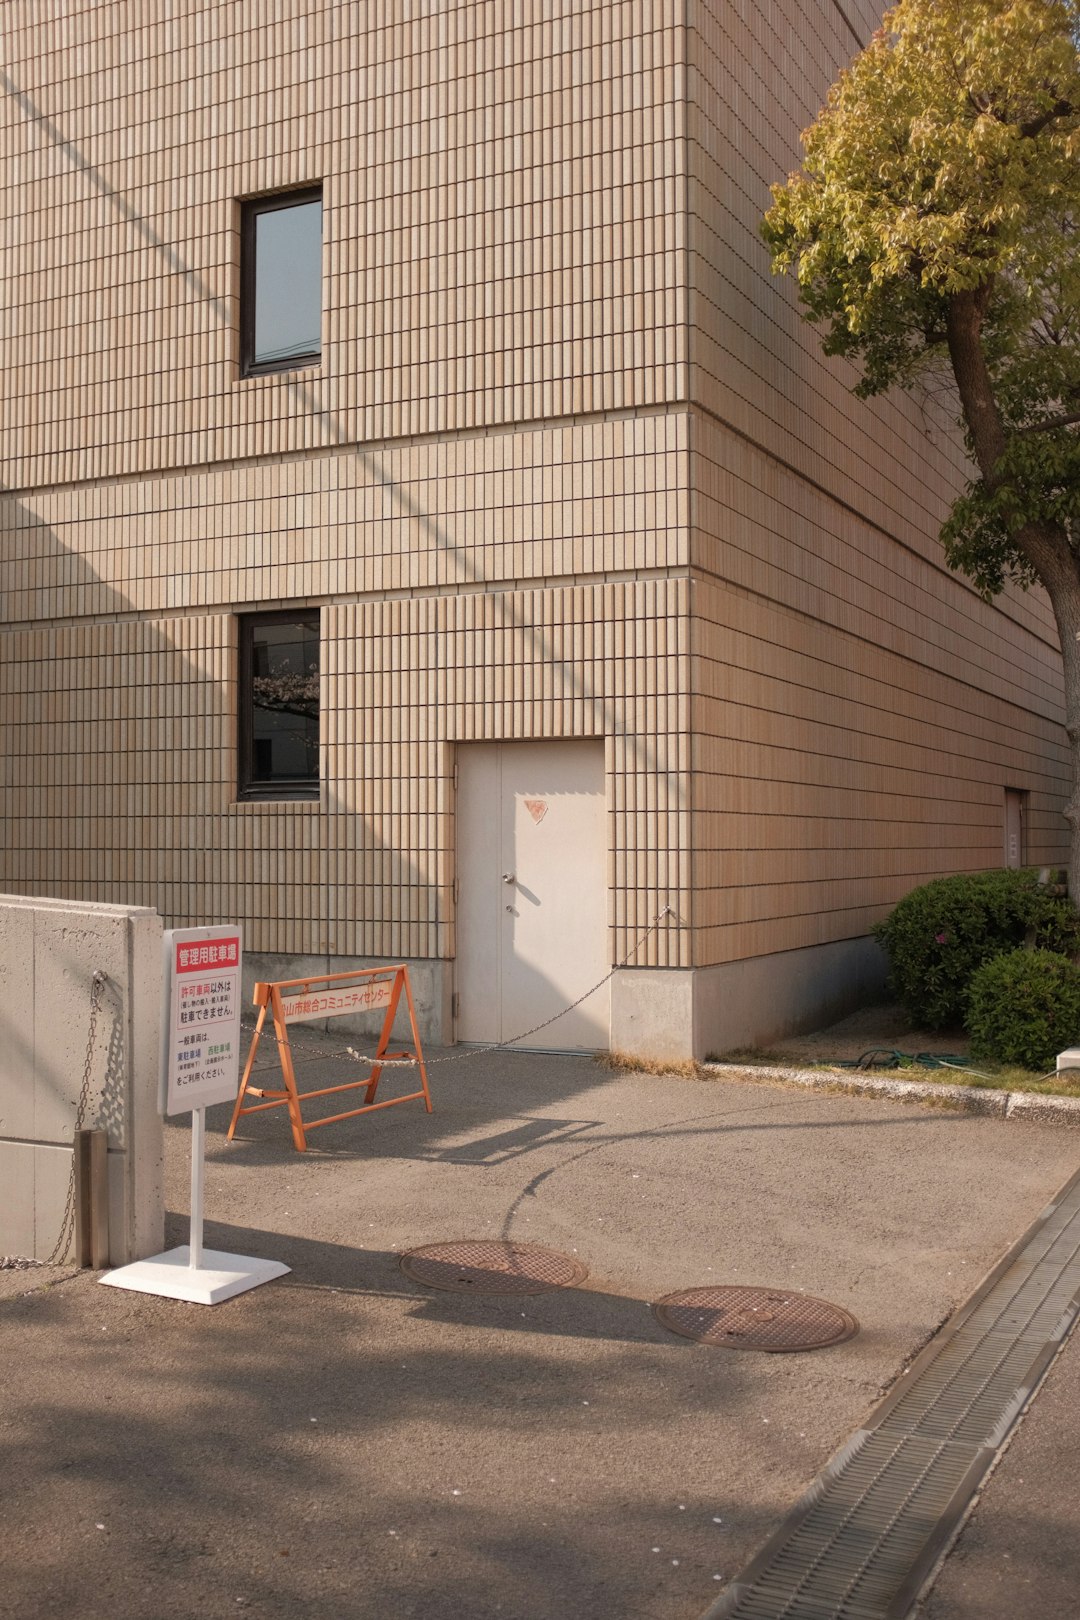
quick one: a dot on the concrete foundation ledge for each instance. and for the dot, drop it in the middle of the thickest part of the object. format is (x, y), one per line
(1035, 1107)
(675, 1014)
(429, 978)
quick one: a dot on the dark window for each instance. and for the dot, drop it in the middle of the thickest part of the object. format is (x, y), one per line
(280, 281)
(279, 706)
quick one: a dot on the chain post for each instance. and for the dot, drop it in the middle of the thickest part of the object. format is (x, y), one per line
(67, 1225)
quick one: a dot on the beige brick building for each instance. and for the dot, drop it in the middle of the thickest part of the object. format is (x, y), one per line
(622, 607)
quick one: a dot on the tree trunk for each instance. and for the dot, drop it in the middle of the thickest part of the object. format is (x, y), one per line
(1046, 546)
(1059, 572)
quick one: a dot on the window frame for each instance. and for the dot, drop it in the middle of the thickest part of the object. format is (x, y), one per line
(247, 788)
(250, 210)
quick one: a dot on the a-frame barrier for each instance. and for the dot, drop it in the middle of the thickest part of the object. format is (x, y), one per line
(291, 1001)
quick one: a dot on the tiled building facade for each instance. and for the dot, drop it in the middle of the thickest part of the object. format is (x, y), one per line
(566, 468)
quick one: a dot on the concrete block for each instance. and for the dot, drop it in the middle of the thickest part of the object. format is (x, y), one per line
(652, 1014)
(17, 1101)
(35, 1182)
(49, 952)
(17, 1176)
(52, 1171)
(68, 947)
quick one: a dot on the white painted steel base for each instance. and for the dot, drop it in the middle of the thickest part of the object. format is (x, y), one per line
(172, 1275)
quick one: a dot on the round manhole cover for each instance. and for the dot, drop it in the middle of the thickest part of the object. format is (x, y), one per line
(755, 1318)
(490, 1267)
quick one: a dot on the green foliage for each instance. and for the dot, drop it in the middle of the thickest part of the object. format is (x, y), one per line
(941, 933)
(1024, 1008)
(1038, 474)
(946, 166)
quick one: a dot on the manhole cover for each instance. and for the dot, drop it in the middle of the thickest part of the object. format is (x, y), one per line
(490, 1267)
(755, 1318)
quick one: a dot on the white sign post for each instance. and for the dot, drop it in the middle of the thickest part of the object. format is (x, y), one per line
(200, 1067)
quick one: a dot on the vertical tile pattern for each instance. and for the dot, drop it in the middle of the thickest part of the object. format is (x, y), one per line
(411, 678)
(857, 710)
(539, 503)
(756, 76)
(570, 466)
(856, 717)
(120, 749)
(116, 742)
(504, 201)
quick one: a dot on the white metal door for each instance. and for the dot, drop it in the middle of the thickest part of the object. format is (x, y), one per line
(532, 892)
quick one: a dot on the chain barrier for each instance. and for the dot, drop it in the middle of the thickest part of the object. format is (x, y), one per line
(315, 1056)
(10, 1262)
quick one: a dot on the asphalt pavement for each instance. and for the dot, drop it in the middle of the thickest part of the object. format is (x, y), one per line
(345, 1443)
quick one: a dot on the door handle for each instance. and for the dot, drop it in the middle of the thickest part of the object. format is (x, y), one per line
(508, 877)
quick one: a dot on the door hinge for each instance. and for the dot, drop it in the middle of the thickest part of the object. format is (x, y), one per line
(457, 891)
(455, 1004)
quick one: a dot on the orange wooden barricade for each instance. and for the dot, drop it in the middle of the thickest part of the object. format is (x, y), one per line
(295, 1000)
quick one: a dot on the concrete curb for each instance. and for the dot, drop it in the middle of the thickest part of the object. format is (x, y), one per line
(1035, 1107)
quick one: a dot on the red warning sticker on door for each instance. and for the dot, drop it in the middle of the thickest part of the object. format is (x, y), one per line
(537, 808)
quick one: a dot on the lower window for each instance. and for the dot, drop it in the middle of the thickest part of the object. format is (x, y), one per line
(279, 705)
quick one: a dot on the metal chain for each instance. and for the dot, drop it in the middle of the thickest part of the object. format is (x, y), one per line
(67, 1225)
(498, 1046)
(479, 1051)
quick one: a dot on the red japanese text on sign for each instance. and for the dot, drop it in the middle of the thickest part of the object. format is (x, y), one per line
(196, 956)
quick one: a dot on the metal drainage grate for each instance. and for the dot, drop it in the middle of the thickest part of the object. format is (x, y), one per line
(486, 1266)
(856, 1546)
(755, 1318)
(869, 1531)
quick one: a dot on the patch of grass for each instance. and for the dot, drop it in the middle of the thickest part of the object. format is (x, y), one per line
(684, 1069)
(1007, 1077)
(985, 1075)
(757, 1054)
(988, 1075)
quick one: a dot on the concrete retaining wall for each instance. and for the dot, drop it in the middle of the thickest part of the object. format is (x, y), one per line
(674, 1015)
(49, 951)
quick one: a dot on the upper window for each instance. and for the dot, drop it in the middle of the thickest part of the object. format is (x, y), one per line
(279, 705)
(280, 281)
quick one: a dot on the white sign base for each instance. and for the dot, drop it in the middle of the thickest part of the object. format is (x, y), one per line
(174, 1277)
(201, 1276)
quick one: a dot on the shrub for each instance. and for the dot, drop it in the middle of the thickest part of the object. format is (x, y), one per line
(1025, 1008)
(941, 933)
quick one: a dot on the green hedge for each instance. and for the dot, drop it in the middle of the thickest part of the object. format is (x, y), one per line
(942, 933)
(1025, 1008)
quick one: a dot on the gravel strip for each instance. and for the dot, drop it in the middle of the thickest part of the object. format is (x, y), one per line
(1037, 1107)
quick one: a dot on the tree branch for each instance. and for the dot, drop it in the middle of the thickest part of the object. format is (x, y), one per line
(1049, 427)
(1035, 126)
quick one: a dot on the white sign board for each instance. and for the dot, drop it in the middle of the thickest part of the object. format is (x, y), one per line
(300, 1005)
(202, 1017)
